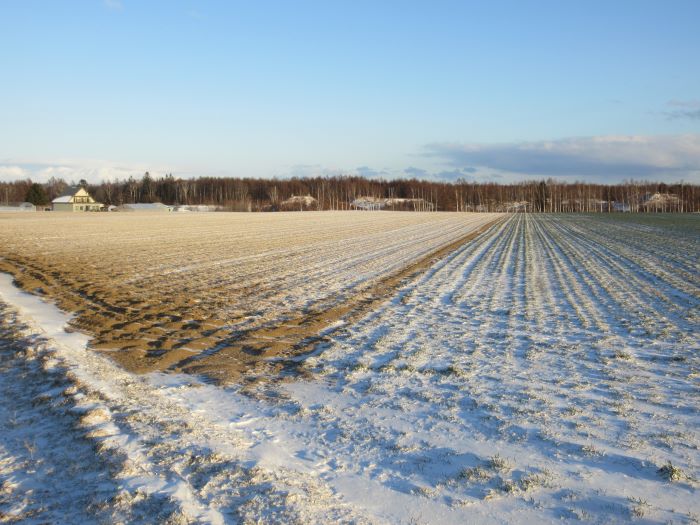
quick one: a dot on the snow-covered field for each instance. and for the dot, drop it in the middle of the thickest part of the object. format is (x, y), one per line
(546, 370)
(158, 290)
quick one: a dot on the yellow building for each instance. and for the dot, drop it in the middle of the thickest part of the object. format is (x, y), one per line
(75, 199)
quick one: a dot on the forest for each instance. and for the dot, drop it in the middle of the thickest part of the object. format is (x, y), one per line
(354, 192)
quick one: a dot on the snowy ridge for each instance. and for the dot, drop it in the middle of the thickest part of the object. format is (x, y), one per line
(548, 368)
(154, 449)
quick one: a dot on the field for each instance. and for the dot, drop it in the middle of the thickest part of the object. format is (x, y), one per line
(214, 293)
(519, 369)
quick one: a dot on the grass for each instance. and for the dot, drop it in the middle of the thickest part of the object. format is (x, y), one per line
(670, 472)
(640, 507)
(500, 464)
(475, 474)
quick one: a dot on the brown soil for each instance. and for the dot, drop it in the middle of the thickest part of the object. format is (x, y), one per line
(251, 353)
(146, 328)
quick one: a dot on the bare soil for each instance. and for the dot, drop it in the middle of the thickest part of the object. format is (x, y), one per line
(221, 294)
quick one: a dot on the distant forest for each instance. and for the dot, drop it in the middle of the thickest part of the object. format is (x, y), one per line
(350, 192)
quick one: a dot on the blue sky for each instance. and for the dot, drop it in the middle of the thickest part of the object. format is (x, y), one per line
(482, 90)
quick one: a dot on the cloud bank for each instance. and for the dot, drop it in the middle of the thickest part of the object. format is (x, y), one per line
(74, 170)
(604, 158)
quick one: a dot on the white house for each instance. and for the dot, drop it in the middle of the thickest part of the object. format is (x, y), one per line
(75, 199)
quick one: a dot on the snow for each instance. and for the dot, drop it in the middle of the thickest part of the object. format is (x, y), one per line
(545, 371)
(62, 200)
(156, 447)
(276, 265)
(34, 425)
(72, 358)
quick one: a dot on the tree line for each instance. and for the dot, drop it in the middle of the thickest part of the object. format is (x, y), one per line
(341, 192)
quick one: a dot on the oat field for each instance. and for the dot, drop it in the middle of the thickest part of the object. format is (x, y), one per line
(543, 368)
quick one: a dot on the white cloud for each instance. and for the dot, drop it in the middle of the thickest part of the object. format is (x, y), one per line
(598, 159)
(115, 5)
(603, 158)
(10, 173)
(93, 171)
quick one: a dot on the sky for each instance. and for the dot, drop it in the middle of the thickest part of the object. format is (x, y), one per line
(503, 90)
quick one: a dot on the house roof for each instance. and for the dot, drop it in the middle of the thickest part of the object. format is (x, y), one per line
(62, 198)
(69, 191)
(67, 194)
(146, 206)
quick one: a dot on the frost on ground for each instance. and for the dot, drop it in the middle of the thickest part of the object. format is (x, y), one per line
(547, 370)
(180, 292)
(42, 457)
(85, 442)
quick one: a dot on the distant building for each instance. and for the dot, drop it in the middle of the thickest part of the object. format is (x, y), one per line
(394, 203)
(196, 208)
(75, 198)
(368, 203)
(299, 202)
(516, 206)
(665, 202)
(17, 207)
(146, 206)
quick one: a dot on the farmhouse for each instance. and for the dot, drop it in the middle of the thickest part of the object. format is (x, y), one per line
(75, 198)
